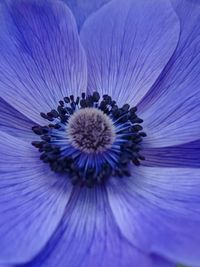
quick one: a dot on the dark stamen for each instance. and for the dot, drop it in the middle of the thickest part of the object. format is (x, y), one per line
(90, 139)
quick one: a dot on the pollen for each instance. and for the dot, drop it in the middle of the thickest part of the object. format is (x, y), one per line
(91, 131)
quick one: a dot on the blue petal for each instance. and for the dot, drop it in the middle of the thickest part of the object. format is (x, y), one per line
(128, 43)
(185, 155)
(88, 237)
(41, 57)
(82, 9)
(14, 123)
(158, 210)
(171, 111)
(32, 201)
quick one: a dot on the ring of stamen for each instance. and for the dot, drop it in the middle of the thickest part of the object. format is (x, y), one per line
(90, 140)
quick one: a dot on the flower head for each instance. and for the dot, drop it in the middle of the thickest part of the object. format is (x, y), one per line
(114, 112)
(90, 140)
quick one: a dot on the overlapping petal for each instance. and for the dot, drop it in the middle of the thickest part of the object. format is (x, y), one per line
(14, 123)
(158, 210)
(171, 110)
(185, 156)
(41, 57)
(32, 201)
(88, 236)
(82, 9)
(128, 43)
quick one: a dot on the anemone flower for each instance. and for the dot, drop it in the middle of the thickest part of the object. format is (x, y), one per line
(99, 135)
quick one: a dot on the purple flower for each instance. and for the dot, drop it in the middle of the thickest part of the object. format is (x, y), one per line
(115, 114)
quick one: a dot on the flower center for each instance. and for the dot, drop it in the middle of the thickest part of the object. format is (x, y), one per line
(91, 131)
(90, 140)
